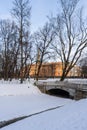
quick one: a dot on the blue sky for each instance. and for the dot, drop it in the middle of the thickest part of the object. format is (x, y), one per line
(40, 10)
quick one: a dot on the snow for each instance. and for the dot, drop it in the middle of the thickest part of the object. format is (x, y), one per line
(70, 117)
(24, 99)
(72, 80)
(18, 89)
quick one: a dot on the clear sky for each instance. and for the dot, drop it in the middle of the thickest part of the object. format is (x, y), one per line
(40, 10)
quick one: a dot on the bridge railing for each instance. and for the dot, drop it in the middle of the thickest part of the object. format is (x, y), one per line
(63, 84)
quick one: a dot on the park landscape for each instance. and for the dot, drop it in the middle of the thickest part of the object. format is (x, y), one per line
(43, 65)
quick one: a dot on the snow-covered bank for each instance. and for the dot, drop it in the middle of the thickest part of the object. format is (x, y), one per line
(18, 89)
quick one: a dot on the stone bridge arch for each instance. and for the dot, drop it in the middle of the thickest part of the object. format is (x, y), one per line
(58, 92)
(74, 90)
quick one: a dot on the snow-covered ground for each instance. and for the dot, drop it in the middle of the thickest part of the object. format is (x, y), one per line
(24, 99)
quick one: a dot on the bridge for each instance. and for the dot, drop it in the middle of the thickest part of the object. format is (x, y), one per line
(77, 91)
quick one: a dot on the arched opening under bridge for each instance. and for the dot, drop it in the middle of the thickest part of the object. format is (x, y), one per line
(58, 92)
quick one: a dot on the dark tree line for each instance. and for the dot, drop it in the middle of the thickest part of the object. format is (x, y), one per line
(10, 48)
(15, 40)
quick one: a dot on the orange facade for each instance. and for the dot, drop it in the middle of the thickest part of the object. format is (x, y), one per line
(54, 70)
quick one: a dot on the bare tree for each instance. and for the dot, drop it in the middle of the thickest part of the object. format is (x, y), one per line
(8, 39)
(71, 35)
(83, 66)
(43, 40)
(14, 54)
(29, 57)
(21, 12)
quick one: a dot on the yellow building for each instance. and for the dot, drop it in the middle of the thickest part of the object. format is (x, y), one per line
(54, 69)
